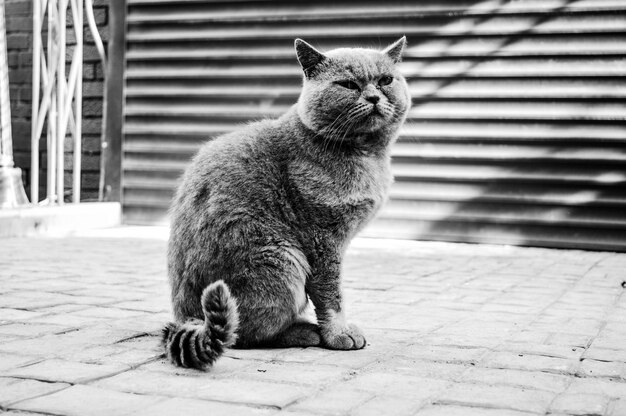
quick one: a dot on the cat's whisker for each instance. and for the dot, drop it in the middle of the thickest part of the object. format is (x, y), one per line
(330, 130)
(338, 128)
(350, 121)
(354, 116)
(337, 137)
(348, 128)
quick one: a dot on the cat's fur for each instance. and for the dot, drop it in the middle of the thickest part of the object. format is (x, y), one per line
(264, 214)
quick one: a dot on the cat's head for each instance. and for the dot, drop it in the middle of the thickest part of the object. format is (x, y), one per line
(352, 90)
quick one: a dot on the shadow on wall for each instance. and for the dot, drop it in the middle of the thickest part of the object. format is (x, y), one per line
(519, 137)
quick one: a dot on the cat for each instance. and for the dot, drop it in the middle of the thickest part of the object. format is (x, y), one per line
(263, 215)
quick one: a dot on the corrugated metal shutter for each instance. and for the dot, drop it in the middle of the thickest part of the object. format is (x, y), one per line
(517, 132)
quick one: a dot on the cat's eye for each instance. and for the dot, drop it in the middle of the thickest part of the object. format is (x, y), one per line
(346, 83)
(385, 81)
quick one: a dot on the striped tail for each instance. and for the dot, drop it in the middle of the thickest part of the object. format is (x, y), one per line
(198, 345)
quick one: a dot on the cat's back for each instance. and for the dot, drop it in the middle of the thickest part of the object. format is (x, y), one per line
(234, 170)
(233, 161)
(232, 152)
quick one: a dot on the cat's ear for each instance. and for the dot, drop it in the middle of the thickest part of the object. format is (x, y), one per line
(394, 51)
(308, 56)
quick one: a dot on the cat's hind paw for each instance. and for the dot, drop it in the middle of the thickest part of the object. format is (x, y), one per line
(349, 337)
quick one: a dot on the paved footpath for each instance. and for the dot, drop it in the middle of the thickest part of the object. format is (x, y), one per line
(452, 330)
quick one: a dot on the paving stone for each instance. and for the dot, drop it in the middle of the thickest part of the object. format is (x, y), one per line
(255, 354)
(88, 401)
(377, 406)
(178, 406)
(610, 388)
(534, 336)
(301, 355)
(143, 306)
(351, 359)
(547, 350)
(224, 367)
(8, 360)
(530, 362)
(594, 368)
(390, 384)
(525, 379)
(580, 404)
(563, 338)
(333, 401)
(603, 354)
(293, 372)
(62, 309)
(65, 371)
(618, 407)
(419, 368)
(13, 389)
(452, 410)
(67, 319)
(460, 340)
(31, 329)
(226, 390)
(127, 357)
(503, 397)
(614, 342)
(384, 338)
(105, 312)
(444, 353)
(11, 314)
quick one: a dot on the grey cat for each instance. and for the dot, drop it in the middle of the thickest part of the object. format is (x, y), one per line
(263, 215)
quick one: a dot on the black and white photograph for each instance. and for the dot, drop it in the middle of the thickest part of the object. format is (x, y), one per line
(313, 208)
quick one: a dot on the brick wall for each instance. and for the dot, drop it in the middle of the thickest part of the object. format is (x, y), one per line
(19, 26)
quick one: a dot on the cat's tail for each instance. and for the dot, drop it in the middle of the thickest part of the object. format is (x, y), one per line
(198, 345)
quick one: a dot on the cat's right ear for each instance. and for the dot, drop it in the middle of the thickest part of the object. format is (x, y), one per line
(309, 57)
(394, 51)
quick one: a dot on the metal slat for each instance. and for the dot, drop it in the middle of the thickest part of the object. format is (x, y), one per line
(448, 67)
(475, 89)
(417, 152)
(422, 109)
(445, 25)
(501, 213)
(507, 172)
(277, 11)
(523, 193)
(470, 46)
(490, 233)
(162, 190)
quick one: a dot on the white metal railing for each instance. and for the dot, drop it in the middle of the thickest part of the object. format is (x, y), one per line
(57, 98)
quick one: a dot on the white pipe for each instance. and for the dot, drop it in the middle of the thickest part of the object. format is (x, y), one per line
(61, 97)
(78, 93)
(103, 140)
(52, 114)
(35, 133)
(94, 32)
(47, 88)
(70, 87)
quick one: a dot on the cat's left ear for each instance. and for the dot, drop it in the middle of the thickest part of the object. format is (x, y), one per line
(308, 56)
(394, 51)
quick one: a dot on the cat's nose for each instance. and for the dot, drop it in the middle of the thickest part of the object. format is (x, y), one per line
(373, 99)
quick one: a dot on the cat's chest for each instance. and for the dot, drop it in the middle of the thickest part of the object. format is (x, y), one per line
(361, 185)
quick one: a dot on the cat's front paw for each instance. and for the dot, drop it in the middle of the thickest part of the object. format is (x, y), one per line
(349, 337)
